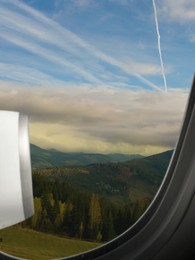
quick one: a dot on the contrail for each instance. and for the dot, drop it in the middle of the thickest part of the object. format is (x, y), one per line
(69, 41)
(159, 47)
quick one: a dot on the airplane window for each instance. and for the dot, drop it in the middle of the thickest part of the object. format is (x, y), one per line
(105, 86)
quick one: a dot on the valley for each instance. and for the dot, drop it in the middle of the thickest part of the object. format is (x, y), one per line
(83, 200)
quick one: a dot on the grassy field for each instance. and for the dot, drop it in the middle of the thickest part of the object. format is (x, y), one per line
(29, 244)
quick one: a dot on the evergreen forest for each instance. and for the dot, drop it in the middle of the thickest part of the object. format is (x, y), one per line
(62, 209)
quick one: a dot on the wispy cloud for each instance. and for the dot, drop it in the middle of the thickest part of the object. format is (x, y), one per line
(64, 48)
(180, 10)
(192, 38)
(27, 76)
(83, 3)
(122, 2)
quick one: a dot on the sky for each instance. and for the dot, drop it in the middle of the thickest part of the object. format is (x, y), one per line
(89, 76)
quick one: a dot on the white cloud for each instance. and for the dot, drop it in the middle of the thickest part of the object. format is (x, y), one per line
(180, 10)
(102, 119)
(147, 68)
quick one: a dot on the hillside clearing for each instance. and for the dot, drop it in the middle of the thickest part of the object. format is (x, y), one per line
(29, 244)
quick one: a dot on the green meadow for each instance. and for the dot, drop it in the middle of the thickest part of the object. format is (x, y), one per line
(29, 244)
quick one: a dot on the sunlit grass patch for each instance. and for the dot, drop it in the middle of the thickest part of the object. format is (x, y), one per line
(35, 245)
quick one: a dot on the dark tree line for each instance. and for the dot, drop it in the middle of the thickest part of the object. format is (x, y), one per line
(62, 209)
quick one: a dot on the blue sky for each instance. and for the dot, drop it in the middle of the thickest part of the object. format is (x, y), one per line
(82, 70)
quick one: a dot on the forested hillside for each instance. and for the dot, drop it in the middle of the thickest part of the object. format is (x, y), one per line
(119, 181)
(62, 209)
(95, 202)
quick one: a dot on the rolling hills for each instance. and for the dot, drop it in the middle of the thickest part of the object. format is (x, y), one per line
(120, 181)
(44, 158)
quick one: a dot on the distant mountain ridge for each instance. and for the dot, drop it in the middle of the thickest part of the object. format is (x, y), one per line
(43, 158)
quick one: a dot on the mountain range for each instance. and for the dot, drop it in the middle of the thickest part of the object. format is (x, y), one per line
(44, 158)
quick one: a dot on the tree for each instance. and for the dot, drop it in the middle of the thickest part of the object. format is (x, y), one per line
(36, 219)
(94, 216)
(68, 224)
(140, 207)
(81, 229)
